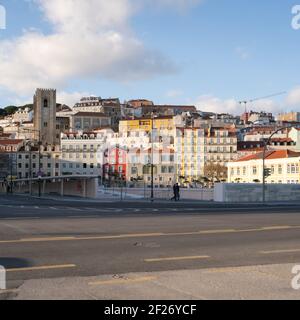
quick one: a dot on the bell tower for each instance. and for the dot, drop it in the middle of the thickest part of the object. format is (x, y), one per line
(45, 115)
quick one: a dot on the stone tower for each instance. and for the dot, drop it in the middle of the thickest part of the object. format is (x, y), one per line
(45, 115)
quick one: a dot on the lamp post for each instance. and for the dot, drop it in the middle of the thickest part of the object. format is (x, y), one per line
(266, 143)
(152, 157)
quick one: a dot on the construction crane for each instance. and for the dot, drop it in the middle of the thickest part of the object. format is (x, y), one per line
(246, 102)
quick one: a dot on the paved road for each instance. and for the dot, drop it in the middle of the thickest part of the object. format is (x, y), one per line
(50, 239)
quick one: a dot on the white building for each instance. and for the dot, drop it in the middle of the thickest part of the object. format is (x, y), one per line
(282, 164)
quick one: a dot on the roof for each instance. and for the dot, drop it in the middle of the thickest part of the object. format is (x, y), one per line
(10, 141)
(281, 140)
(275, 154)
(170, 106)
(90, 114)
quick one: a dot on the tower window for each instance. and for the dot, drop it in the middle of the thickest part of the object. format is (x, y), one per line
(45, 103)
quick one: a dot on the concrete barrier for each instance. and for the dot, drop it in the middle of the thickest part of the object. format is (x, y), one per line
(235, 192)
(160, 193)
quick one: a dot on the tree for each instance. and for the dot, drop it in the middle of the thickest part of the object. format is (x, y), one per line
(2, 113)
(10, 109)
(215, 172)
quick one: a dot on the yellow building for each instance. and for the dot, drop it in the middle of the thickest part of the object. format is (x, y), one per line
(145, 124)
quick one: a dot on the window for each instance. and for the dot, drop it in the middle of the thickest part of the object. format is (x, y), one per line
(45, 124)
(254, 170)
(45, 103)
(272, 169)
(280, 169)
(134, 170)
(293, 168)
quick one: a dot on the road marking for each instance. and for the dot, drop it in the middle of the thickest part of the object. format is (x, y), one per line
(177, 258)
(280, 251)
(62, 266)
(47, 239)
(53, 208)
(218, 231)
(9, 291)
(121, 281)
(149, 235)
(226, 270)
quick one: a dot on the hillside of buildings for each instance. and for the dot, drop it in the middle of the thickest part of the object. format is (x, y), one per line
(120, 142)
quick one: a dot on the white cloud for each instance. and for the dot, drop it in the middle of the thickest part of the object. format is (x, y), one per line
(70, 98)
(89, 39)
(293, 98)
(211, 103)
(242, 53)
(174, 93)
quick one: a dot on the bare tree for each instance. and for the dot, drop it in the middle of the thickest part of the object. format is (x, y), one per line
(215, 172)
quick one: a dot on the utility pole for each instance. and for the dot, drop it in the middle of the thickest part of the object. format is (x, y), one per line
(266, 143)
(152, 157)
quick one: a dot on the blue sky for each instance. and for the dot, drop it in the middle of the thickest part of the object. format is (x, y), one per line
(211, 53)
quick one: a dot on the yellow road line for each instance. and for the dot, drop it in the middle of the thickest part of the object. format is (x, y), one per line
(280, 251)
(149, 235)
(47, 239)
(9, 291)
(63, 266)
(218, 231)
(122, 281)
(177, 258)
(277, 228)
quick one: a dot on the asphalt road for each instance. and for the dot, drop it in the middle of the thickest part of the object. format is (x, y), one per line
(44, 239)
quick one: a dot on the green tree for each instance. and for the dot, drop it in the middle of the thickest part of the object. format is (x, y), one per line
(10, 109)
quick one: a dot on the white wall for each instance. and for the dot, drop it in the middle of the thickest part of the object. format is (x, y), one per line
(233, 192)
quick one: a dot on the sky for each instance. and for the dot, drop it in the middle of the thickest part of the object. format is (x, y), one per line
(208, 53)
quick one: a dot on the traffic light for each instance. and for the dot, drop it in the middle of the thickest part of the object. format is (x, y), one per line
(267, 172)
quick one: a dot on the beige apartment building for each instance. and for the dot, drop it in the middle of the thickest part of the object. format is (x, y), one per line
(283, 165)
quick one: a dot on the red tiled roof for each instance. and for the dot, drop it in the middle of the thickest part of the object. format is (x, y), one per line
(10, 141)
(276, 154)
(282, 140)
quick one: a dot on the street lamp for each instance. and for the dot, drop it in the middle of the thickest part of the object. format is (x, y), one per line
(266, 173)
(152, 156)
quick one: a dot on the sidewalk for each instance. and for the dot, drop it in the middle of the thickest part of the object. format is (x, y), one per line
(201, 203)
(238, 283)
